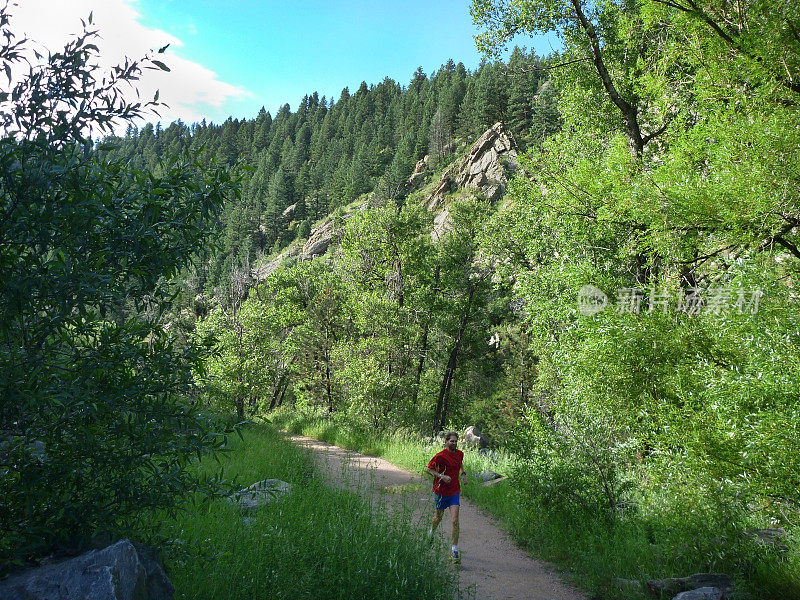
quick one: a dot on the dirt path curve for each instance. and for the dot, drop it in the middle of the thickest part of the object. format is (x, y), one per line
(492, 566)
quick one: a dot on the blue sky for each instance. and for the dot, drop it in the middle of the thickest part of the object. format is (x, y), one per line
(229, 58)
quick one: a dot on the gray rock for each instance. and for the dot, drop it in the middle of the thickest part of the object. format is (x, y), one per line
(703, 593)
(418, 176)
(122, 571)
(668, 588)
(474, 438)
(290, 210)
(485, 167)
(260, 493)
(771, 537)
(319, 240)
(487, 476)
(158, 585)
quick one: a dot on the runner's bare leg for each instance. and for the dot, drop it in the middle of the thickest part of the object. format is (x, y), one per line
(437, 518)
(454, 516)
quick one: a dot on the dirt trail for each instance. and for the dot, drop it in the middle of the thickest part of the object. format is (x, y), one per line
(492, 566)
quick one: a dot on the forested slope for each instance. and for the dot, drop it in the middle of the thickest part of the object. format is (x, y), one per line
(303, 164)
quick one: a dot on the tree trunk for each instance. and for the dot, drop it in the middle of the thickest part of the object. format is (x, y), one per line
(328, 393)
(440, 413)
(283, 392)
(418, 377)
(423, 351)
(276, 392)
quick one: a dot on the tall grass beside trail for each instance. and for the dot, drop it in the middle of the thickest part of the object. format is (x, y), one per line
(402, 448)
(675, 538)
(315, 543)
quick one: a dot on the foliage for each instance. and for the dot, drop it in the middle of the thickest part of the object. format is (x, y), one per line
(97, 420)
(578, 462)
(213, 555)
(389, 329)
(670, 189)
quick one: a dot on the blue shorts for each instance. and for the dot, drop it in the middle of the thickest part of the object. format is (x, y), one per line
(442, 502)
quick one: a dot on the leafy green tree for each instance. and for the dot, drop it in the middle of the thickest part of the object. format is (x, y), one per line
(97, 397)
(385, 264)
(464, 280)
(671, 176)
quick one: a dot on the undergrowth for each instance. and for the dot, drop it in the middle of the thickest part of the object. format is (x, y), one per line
(315, 542)
(613, 560)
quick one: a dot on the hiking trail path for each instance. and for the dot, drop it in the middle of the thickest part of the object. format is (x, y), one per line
(493, 567)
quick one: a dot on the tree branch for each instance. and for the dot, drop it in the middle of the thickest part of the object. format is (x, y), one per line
(629, 111)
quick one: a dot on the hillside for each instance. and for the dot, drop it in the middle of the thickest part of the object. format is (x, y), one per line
(299, 166)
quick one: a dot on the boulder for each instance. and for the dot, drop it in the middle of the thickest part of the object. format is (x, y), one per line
(260, 493)
(474, 438)
(122, 571)
(771, 537)
(668, 588)
(487, 475)
(703, 593)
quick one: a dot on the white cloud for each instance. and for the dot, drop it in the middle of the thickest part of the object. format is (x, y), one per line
(189, 88)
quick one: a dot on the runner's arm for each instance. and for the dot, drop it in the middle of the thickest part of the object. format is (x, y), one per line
(437, 474)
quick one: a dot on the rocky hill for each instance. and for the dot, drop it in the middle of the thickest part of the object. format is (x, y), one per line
(484, 170)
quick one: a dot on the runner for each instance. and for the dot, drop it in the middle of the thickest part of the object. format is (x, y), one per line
(445, 467)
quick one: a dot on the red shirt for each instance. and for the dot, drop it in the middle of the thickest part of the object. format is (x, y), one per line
(448, 463)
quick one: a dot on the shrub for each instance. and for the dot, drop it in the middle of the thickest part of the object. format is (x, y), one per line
(95, 420)
(575, 461)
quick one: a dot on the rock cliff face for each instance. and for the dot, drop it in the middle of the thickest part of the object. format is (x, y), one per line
(484, 168)
(316, 245)
(418, 176)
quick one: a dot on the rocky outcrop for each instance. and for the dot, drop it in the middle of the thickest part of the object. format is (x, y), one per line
(418, 176)
(319, 240)
(485, 167)
(316, 245)
(122, 571)
(289, 212)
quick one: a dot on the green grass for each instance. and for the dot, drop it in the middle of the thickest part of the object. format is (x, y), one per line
(314, 543)
(595, 555)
